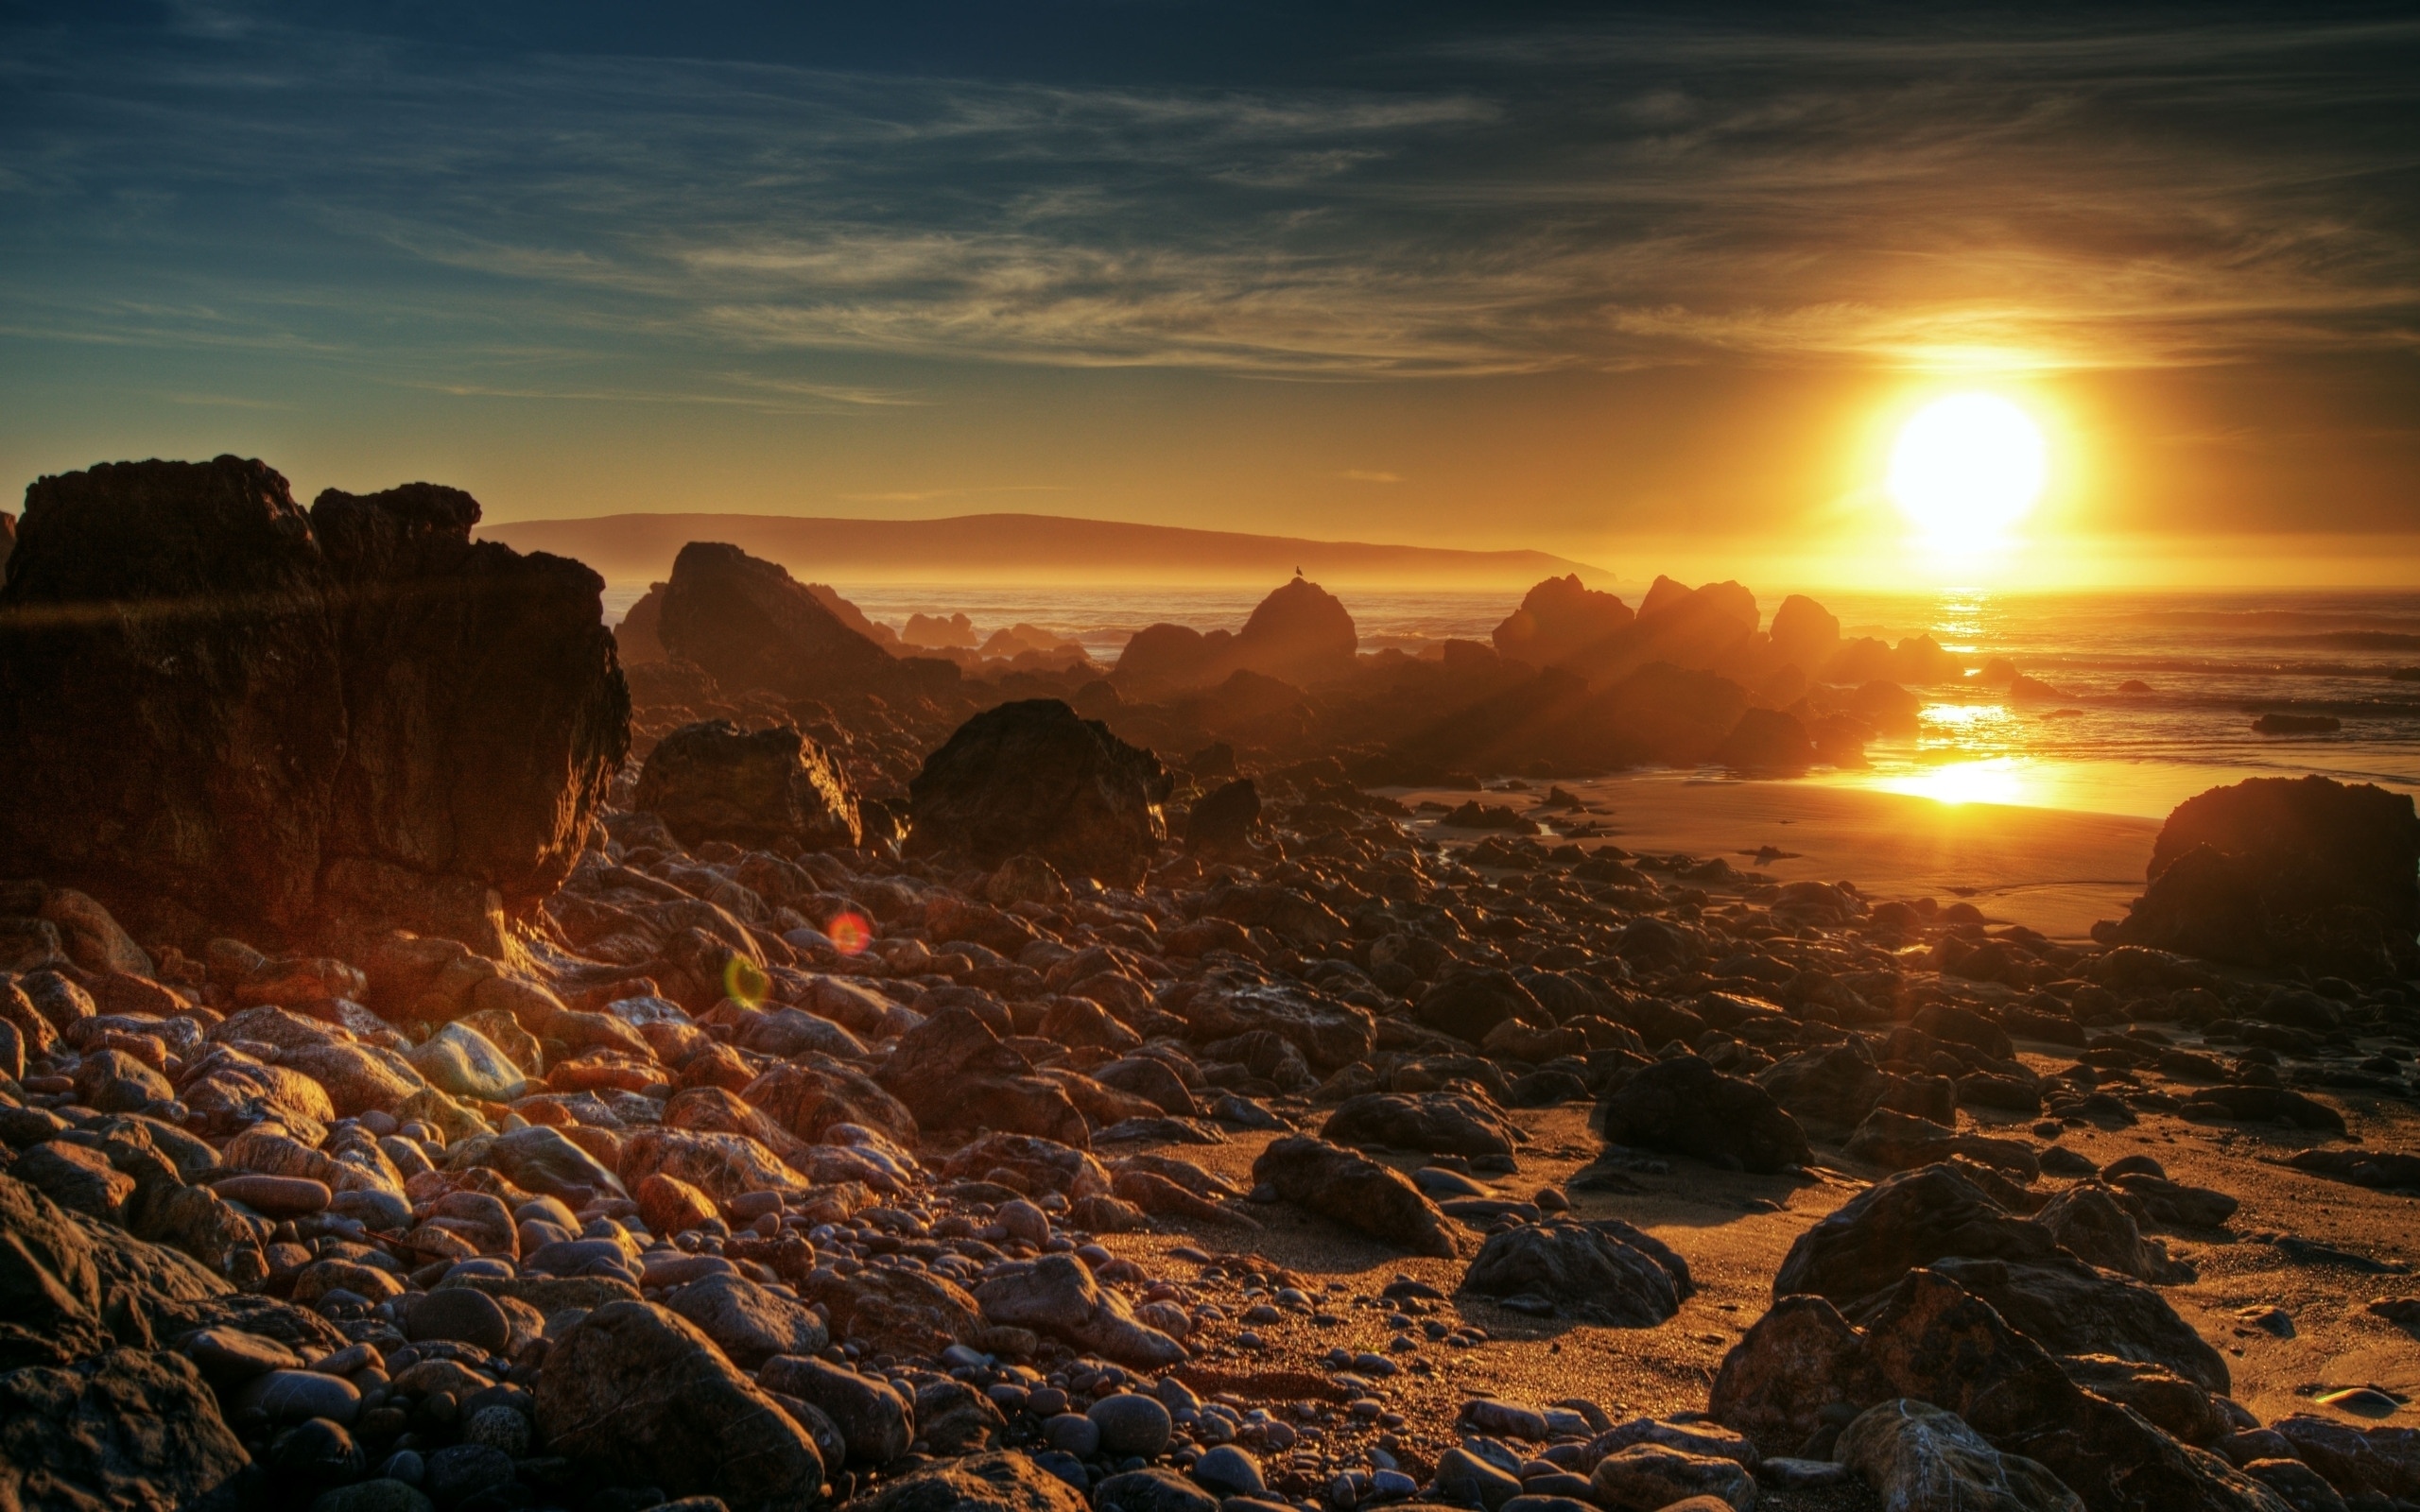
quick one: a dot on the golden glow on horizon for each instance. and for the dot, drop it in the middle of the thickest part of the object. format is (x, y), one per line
(1966, 470)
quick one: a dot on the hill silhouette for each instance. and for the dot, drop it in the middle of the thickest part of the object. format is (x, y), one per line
(636, 548)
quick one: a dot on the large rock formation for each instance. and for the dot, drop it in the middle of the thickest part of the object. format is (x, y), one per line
(1032, 777)
(229, 717)
(1689, 627)
(751, 624)
(2284, 871)
(640, 637)
(711, 781)
(1557, 618)
(1300, 634)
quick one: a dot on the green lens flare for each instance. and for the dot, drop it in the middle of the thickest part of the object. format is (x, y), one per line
(745, 982)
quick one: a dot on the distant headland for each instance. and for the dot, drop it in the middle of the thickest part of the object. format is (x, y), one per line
(640, 548)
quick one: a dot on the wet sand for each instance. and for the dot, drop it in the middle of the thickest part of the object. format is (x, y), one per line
(2050, 869)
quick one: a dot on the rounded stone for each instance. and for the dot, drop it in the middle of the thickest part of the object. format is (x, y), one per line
(460, 1472)
(316, 1453)
(295, 1396)
(373, 1496)
(461, 1316)
(276, 1197)
(1229, 1472)
(498, 1427)
(1072, 1435)
(1131, 1425)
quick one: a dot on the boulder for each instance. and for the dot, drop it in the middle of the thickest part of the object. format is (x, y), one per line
(1867, 1244)
(1056, 1294)
(1830, 1091)
(128, 1428)
(749, 1324)
(1300, 634)
(1032, 777)
(756, 789)
(1935, 1342)
(1330, 1035)
(1918, 1457)
(1470, 1001)
(57, 1270)
(1685, 1106)
(1351, 1189)
(1558, 617)
(2286, 872)
(1902, 1141)
(639, 637)
(1799, 1362)
(2069, 1308)
(1221, 824)
(1804, 634)
(873, 1420)
(2382, 1460)
(2089, 1223)
(1652, 1477)
(896, 1312)
(952, 1072)
(1604, 1272)
(1766, 740)
(402, 727)
(1152, 1490)
(749, 624)
(979, 1483)
(1431, 1123)
(642, 1397)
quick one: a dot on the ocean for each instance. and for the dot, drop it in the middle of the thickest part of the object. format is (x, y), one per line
(2212, 664)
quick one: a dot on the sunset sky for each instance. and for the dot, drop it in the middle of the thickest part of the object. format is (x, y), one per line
(1643, 285)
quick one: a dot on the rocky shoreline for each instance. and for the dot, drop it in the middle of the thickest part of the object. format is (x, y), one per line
(891, 1094)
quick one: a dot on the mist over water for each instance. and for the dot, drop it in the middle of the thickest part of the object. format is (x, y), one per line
(2213, 662)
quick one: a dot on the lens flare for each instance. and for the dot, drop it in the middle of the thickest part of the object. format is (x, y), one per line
(849, 933)
(743, 982)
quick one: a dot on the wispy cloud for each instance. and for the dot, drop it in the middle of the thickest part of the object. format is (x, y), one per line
(1618, 195)
(1357, 475)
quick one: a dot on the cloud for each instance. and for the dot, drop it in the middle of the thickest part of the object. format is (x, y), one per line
(1614, 197)
(1357, 475)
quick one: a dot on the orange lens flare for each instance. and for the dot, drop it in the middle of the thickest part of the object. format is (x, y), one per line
(849, 933)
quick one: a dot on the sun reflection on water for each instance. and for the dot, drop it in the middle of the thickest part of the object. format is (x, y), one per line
(1985, 780)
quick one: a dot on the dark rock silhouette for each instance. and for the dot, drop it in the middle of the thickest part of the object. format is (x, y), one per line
(854, 618)
(640, 636)
(347, 720)
(751, 625)
(1558, 617)
(486, 712)
(1685, 1106)
(1300, 634)
(1032, 777)
(1221, 824)
(933, 631)
(711, 781)
(1605, 1272)
(1766, 740)
(1689, 628)
(1919, 659)
(8, 541)
(1804, 635)
(2282, 871)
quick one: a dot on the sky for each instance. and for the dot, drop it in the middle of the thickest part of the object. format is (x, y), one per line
(1649, 286)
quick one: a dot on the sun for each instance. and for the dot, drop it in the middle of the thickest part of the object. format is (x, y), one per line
(1965, 470)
